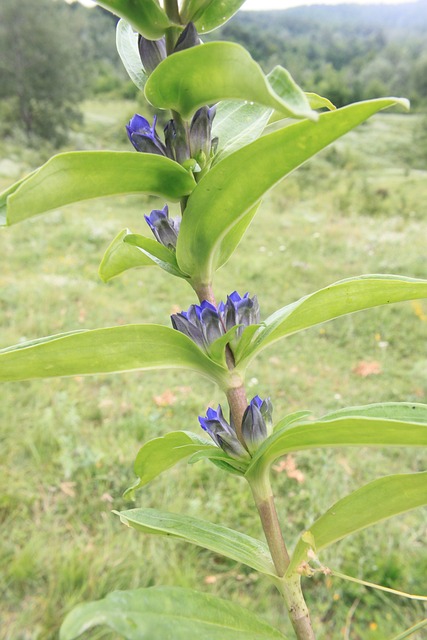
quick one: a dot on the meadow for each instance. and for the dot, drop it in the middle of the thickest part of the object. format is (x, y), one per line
(68, 445)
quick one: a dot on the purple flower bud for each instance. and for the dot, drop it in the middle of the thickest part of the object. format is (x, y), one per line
(201, 323)
(176, 142)
(151, 52)
(205, 323)
(165, 229)
(200, 134)
(188, 38)
(143, 136)
(256, 422)
(222, 433)
(241, 311)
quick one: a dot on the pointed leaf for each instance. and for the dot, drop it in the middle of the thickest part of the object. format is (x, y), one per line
(158, 253)
(126, 348)
(236, 184)
(319, 102)
(234, 235)
(238, 122)
(127, 47)
(368, 505)
(145, 16)
(160, 454)
(403, 411)
(207, 15)
(343, 431)
(227, 542)
(82, 175)
(220, 459)
(121, 256)
(341, 298)
(158, 613)
(179, 82)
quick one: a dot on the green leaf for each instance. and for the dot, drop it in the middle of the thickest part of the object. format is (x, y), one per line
(296, 416)
(227, 542)
(403, 411)
(126, 348)
(82, 175)
(207, 15)
(145, 16)
(158, 253)
(127, 47)
(233, 186)
(341, 298)
(179, 82)
(158, 613)
(160, 454)
(368, 505)
(220, 459)
(121, 256)
(318, 102)
(238, 122)
(356, 430)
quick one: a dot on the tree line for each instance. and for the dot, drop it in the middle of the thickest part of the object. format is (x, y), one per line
(53, 55)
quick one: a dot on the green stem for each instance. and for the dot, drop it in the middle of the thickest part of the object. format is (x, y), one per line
(264, 500)
(289, 586)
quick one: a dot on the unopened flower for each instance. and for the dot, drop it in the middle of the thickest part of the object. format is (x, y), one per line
(144, 137)
(256, 426)
(205, 323)
(257, 422)
(176, 142)
(165, 229)
(151, 52)
(222, 433)
(188, 38)
(200, 134)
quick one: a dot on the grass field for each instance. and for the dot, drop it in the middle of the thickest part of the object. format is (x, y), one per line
(68, 445)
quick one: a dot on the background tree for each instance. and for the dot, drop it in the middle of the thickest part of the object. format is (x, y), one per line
(40, 59)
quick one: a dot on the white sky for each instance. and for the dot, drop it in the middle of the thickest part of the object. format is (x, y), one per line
(285, 4)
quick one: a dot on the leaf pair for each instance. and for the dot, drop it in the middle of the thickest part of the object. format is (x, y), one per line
(157, 347)
(388, 424)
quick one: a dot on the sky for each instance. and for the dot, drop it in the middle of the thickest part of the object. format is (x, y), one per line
(258, 5)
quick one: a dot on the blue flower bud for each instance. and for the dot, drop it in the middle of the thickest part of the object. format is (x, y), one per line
(188, 38)
(222, 433)
(241, 311)
(205, 323)
(144, 137)
(256, 422)
(151, 52)
(200, 134)
(165, 229)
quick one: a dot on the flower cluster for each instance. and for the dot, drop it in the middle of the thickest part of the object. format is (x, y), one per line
(176, 146)
(165, 229)
(205, 323)
(256, 426)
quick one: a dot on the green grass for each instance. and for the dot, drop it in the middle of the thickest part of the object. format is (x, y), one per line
(67, 445)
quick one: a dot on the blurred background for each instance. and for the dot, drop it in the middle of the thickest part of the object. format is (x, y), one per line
(67, 446)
